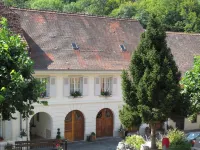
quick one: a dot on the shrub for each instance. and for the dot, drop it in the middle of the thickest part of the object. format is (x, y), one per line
(75, 94)
(93, 134)
(105, 93)
(58, 134)
(135, 141)
(178, 141)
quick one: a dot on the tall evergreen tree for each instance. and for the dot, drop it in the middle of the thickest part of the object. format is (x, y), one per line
(151, 89)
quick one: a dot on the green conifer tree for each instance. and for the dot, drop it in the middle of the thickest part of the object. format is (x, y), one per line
(151, 89)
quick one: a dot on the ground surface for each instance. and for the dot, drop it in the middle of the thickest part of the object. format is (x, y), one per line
(99, 144)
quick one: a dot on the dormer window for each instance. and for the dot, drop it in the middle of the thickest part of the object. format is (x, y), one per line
(123, 48)
(75, 46)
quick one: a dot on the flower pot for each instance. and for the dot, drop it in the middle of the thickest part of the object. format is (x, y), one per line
(93, 137)
(121, 134)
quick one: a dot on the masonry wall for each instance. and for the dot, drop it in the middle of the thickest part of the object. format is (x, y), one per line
(59, 106)
(192, 126)
(43, 124)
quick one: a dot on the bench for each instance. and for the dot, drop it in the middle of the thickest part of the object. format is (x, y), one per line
(46, 144)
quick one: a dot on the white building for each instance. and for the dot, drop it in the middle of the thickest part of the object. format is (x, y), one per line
(76, 54)
(85, 54)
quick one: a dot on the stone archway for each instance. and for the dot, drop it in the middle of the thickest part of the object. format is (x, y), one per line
(40, 126)
(74, 126)
(104, 123)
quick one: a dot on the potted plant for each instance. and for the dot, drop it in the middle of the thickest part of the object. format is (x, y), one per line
(8, 146)
(58, 134)
(93, 136)
(75, 94)
(121, 132)
(105, 93)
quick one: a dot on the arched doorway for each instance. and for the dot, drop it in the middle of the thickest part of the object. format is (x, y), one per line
(40, 126)
(74, 126)
(104, 123)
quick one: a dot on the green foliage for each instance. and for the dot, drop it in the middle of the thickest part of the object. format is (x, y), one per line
(58, 134)
(191, 87)
(16, 3)
(18, 88)
(126, 10)
(129, 117)
(178, 141)
(75, 94)
(93, 134)
(46, 4)
(135, 141)
(175, 15)
(151, 87)
(105, 93)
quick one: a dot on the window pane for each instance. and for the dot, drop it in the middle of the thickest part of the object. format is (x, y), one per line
(44, 83)
(102, 84)
(106, 84)
(71, 85)
(77, 84)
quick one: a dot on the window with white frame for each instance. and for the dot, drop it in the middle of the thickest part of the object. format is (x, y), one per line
(45, 82)
(106, 85)
(76, 85)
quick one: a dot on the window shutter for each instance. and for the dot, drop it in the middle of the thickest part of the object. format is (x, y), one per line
(52, 87)
(97, 86)
(85, 86)
(66, 87)
(114, 87)
(48, 87)
(81, 85)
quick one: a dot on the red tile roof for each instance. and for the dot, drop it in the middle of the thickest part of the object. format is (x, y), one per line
(184, 47)
(50, 35)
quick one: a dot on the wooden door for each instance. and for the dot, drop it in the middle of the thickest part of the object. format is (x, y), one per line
(104, 123)
(68, 127)
(74, 126)
(78, 126)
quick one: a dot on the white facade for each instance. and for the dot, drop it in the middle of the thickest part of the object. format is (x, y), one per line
(59, 105)
(188, 125)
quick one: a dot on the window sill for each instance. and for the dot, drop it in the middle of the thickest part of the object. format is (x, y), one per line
(72, 97)
(105, 96)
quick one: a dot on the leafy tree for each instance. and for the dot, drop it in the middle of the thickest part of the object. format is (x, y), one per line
(18, 88)
(191, 87)
(56, 5)
(151, 89)
(16, 3)
(176, 15)
(126, 10)
(79, 6)
(101, 7)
